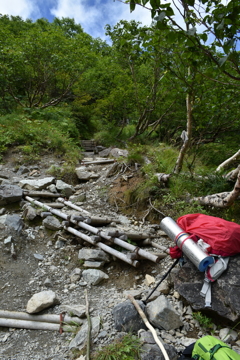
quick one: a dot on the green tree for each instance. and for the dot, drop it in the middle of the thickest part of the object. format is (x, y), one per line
(40, 66)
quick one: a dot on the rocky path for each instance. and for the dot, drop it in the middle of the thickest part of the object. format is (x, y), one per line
(47, 259)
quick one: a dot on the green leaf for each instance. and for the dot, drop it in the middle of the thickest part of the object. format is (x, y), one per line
(169, 11)
(190, 2)
(132, 5)
(222, 60)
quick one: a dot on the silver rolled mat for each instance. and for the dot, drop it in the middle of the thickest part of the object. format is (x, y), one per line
(190, 248)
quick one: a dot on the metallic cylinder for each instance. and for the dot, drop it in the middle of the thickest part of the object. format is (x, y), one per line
(182, 239)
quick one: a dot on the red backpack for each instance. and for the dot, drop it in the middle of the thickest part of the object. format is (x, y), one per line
(223, 236)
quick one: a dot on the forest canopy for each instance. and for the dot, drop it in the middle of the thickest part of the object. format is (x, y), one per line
(166, 83)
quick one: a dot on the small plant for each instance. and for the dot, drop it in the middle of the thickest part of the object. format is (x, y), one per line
(126, 348)
(204, 321)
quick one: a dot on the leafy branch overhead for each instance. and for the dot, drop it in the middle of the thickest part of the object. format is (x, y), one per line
(212, 27)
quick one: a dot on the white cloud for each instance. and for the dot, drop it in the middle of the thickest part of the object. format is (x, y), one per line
(94, 15)
(23, 8)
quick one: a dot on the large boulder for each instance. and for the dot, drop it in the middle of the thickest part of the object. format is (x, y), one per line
(10, 194)
(162, 314)
(41, 300)
(126, 318)
(188, 281)
(39, 184)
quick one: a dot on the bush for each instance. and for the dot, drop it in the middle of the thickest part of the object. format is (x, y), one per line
(37, 131)
(126, 348)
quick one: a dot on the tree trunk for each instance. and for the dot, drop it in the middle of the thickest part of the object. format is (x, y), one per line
(228, 161)
(188, 134)
(221, 200)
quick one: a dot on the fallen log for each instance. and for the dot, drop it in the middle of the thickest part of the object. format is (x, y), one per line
(73, 206)
(40, 194)
(50, 318)
(55, 205)
(98, 162)
(24, 324)
(93, 220)
(102, 246)
(221, 200)
(95, 231)
(228, 161)
(153, 244)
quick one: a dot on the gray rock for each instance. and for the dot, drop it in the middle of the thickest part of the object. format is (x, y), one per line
(8, 240)
(104, 152)
(65, 189)
(93, 255)
(83, 174)
(10, 194)
(48, 283)
(13, 222)
(52, 188)
(81, 337)
(41, 300)
(29, 212)
(94, 276)
(75, 275)
(162, 314)
(227, 335)
(2, 211)
(39, 257)
(36, 184)
(147, 337)
(77, 310)
(153, 352)
(115, 152)
(93, 264)
(78, 197)
(52, 223)
(135, 293)
(188, 281)
(22, 170)
(126, 317)
(60, 244)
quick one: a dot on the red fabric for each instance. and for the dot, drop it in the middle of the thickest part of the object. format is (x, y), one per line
(175, 252)
(223, 236)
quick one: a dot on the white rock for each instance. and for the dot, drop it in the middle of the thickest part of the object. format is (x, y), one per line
(40, 301)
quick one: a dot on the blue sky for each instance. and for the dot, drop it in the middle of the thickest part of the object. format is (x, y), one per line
(93, 15)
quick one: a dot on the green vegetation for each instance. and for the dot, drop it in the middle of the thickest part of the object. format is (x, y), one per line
(59, 85)
(128, 348)
(205, 322)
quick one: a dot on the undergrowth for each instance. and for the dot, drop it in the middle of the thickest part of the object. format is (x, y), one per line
(126, 348)
(34, 132)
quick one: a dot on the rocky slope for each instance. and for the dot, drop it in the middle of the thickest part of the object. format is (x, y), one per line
(44, 259)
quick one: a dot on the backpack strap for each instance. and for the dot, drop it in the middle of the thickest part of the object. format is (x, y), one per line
(206, 292)
(212, 273)
(215, 348)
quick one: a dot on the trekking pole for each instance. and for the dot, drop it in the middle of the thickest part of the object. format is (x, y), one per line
(164, 277)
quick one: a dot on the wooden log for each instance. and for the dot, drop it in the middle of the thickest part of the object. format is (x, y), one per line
(55, 205)
(102, 246)
(153, 244)
(98, 162)
(93, 220)
(25, 324)
(40, 194)
(73, 206)
(50, 318)
(95, 231)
